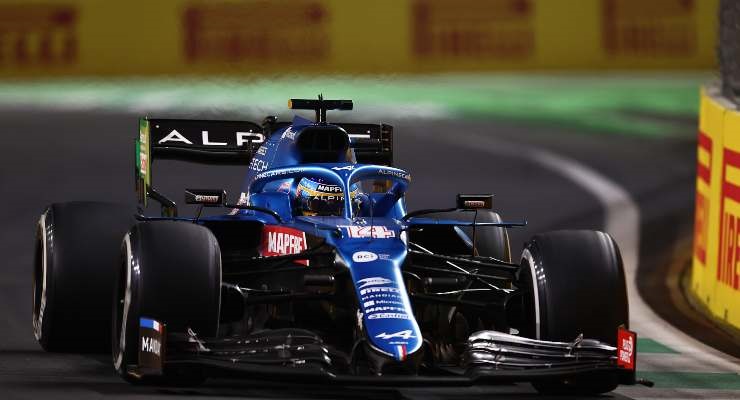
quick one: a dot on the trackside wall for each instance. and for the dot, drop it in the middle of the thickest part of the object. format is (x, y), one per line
(138, 37)
(716, 253)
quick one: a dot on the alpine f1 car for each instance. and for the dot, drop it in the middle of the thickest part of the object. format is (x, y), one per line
(319, 273)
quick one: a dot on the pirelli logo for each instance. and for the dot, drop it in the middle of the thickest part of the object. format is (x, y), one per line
(256, 31)
(701, 210)
(649, 28)
(38, 34)
(729, 234)
(472, 29)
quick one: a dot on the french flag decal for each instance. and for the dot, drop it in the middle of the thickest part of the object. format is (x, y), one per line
(401, 352)
(151, 324)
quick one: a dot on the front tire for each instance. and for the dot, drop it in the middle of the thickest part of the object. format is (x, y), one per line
(170, 272)
(580, 289)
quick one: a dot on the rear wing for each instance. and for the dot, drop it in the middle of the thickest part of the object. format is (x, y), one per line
(231, 143)
(372, 143)
(204, 141)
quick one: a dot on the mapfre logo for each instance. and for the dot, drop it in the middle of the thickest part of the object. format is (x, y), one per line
(280, 241)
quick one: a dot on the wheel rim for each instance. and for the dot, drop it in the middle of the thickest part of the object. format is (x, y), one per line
(39, 279)
(122, 307)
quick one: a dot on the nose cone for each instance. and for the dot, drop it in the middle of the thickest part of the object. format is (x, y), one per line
(387, 317)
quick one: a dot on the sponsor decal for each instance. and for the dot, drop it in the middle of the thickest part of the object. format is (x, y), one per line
(474, 204)
(242, 138)
(256, 33)
(374, 231)
(262, 151)
(701, 209)
(39, 35)
(729, 234)
(364, 256)
(258, 165)
(664, 28)
(279, 240)
(368, 304)
(374, 281)
(626, 350)
(174, 136)
(151, 349)
(385, 308)
(328, 188)
(150, 345)
(270, 174)
(388, 316)
(249, 138)
(453, 31)
(202, 198)
(407, 334)
(345, 168)
(379, 290)
(143, 150)
(396, 173)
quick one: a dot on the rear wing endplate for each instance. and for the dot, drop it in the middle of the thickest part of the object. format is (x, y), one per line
(203, 141)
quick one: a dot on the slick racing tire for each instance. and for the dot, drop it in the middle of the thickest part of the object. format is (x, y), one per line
(490, 241)
(75, 266)
(170, 272)
(580, 289)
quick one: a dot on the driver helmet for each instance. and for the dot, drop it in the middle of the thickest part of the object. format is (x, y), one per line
(316, 198)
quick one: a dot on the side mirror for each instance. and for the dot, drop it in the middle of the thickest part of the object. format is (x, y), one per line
(474, 201)
(205, 197)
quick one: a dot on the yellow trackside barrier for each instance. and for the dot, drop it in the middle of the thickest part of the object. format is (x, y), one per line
(716, 256)
(138, 37)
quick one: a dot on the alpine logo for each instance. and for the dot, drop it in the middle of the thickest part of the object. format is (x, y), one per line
(406, 335)
(396, 173)
(279, 241)
(242, 138)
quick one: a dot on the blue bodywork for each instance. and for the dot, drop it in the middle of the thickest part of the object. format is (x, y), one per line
(371, 243)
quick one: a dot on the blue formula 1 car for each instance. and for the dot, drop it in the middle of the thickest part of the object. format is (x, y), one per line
(319, 273)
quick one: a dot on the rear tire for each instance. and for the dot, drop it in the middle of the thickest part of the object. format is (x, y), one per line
(75, 267)
(580, 289)
(177, 282)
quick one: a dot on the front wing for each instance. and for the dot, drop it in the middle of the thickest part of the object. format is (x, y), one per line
(489, 357)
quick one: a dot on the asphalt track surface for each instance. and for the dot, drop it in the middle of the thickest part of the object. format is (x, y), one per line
(62, 156)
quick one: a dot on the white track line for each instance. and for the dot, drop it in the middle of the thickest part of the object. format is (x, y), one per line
(622, 222)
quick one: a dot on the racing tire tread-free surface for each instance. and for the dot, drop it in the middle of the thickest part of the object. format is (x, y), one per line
(579, 289)
(75, 265)
(170, 272)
